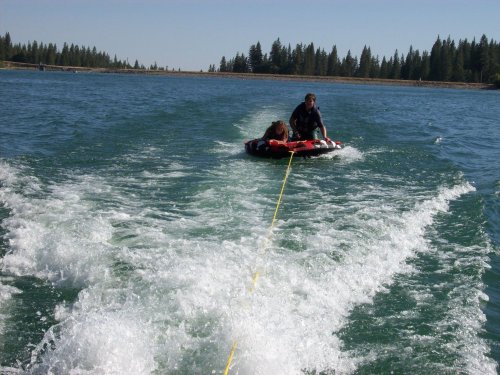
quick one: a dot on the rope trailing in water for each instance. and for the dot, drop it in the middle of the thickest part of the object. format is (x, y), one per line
(256, 275)
(230, 359)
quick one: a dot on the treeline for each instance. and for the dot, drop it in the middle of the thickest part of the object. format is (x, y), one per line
(465, 61)
(70, 55)
(470, 62)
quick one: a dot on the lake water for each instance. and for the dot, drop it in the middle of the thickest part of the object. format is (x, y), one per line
(132, 222)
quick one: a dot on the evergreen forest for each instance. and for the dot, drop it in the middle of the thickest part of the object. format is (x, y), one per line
(48, 54)
(474, 62)
(465, 61)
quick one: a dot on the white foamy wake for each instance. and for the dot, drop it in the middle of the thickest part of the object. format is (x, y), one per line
(348, 154)
(55, 239)
(306, 297)
(169, 293)
(255, 124)
(96, 342)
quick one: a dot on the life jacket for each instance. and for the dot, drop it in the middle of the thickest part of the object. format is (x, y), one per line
(308, 121)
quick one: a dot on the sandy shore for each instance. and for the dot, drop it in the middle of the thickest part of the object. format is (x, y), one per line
(326, 79)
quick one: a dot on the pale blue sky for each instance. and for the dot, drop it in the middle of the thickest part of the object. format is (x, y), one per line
(192, 34)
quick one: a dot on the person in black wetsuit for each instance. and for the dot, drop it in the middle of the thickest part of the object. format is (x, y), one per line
(305, 119)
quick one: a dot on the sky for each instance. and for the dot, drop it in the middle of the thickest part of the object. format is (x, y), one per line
(191, 35)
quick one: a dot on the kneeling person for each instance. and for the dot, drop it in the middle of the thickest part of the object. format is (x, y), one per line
(305, 119)
(277, 131)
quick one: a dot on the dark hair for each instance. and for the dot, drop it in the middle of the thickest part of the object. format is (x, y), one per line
(310, 96)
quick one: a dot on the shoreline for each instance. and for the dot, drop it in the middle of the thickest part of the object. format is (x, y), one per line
(9, 65)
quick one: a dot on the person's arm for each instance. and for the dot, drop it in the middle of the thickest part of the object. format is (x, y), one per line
(322, 127)
(323, 133)
(293, 125)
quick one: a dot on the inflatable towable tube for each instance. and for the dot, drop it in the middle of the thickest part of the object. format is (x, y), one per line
(279, 149)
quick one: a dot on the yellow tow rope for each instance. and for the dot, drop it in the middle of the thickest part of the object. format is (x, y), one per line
(256, 274)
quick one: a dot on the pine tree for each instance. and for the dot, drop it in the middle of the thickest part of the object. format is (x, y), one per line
(2, 49)
(348, 65)
(447, 52)
(435, 73)
(7, 45)
(494, 63)
(51, 55)
(320, 63)
(495, 68)
(333, 63)
(407, 65)
(484, 59)
(374, 67)
(297, 60)
(475, 65)
(287, 60)
(458, 74)
(365, 63)
(309, 65)
(276, 57)
(395, 72)
(240, 64)
(425, 66)
(416, 71)
(384, 69)
(266, 64)
(223, 65)
(255, 58)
